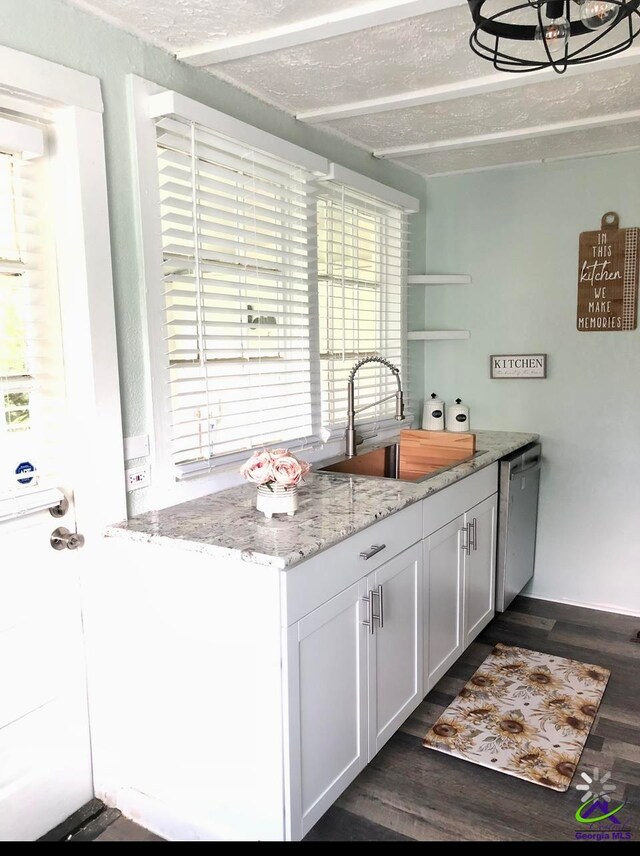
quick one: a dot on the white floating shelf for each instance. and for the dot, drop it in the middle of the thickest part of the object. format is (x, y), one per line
(439, 279)
(423, 335)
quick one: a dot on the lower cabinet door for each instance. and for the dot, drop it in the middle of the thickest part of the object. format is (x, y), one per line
(395, 646)
(443, 600)
(327, 701)
(480, 567)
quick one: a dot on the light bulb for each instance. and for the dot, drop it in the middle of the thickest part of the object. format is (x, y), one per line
(555, 34)
(598, 13)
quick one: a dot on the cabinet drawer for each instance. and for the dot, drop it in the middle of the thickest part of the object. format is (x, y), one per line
(451, 502)
(311, 583)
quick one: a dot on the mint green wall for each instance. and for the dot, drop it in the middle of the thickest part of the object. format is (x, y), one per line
(56, 31)
(516, 231)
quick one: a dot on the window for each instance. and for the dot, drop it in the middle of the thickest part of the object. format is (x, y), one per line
(277, 271)
(236, 292)
(362, 250)
(30, 353)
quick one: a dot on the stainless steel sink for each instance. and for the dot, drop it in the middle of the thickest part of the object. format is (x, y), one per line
(384, 463)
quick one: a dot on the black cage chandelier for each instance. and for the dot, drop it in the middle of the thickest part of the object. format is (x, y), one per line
(564, 32)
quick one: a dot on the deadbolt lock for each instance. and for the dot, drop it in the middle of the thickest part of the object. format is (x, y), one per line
(62, 539)
(60, 509)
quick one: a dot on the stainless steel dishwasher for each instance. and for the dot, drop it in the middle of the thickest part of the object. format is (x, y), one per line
(518, 518)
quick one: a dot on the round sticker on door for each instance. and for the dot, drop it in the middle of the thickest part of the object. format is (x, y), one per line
(23, 469)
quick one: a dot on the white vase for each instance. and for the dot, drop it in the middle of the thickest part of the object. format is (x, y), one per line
(277, 499)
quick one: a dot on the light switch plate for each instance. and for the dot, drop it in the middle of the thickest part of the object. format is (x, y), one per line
(136, 447)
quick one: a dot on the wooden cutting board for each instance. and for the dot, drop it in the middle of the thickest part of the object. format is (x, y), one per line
(422, 449)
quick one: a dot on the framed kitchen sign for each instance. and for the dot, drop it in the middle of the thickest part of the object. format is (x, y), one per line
(608, 278)
(521, 366)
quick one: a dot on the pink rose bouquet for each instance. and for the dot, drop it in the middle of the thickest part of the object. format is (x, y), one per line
(275, 467)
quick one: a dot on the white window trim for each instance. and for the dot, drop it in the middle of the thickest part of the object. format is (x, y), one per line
(19, 138)
(169, 103)
(342, 175)
(72, 101)
(147, 101)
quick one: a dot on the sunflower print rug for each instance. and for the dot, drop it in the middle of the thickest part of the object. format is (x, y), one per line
(525, 714)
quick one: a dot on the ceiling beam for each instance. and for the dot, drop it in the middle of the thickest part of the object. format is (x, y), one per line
(616, 150)
(336, 23)
(497, 82)
(510, 135)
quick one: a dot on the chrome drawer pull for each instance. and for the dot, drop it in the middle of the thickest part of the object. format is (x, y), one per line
(369, 621)
(375, 548)
(380, 616)
(465, 539)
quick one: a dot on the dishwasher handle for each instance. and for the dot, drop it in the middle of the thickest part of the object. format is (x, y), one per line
(532, 467)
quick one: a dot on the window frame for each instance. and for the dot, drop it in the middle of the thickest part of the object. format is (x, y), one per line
(148, 101)
(70, 102)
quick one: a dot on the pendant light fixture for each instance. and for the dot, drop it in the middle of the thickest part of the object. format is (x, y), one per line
(561, 32)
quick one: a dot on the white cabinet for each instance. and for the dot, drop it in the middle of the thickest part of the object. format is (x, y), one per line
(395, 646)
(354, 675)
(327, 665)
(459, 579)
(480, 567)
(310, 692)
(443, 598)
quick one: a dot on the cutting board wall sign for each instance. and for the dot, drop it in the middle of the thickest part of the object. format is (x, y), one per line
(608, 278)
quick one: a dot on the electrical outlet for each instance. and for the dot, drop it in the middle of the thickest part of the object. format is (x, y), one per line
(137, 477)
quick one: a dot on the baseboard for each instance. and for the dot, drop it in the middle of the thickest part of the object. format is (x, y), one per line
(155, 815)
(599, 607)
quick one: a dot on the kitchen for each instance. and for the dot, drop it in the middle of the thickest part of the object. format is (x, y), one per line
(493, 259)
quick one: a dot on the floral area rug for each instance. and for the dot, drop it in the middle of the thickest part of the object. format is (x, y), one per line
(525, 714)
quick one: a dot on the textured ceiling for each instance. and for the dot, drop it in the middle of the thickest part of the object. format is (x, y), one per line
(562, 100)
(418, 53)
(424, 51)
(182, 24)
(596, 141)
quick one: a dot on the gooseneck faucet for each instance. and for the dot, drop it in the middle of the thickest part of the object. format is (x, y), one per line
(351, 412)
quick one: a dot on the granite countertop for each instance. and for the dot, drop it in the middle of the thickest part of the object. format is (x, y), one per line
(331, 508)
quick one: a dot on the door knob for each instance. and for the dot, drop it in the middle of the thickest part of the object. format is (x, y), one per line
(62, 539)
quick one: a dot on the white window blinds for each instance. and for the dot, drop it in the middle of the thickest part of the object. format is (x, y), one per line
(32, 395)
(235, 225)
(362, 260)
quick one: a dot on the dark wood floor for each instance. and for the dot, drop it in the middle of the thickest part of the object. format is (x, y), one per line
(409, 793)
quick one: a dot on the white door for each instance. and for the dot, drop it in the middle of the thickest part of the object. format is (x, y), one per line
(328, 657)
(395, 646)
(443, 596)
(480, 567)
(45, 764)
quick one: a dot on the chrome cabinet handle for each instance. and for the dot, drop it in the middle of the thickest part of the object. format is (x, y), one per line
(465, 542)
(375, 548)
(380, 616)
(369, 622)
(473, 535)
